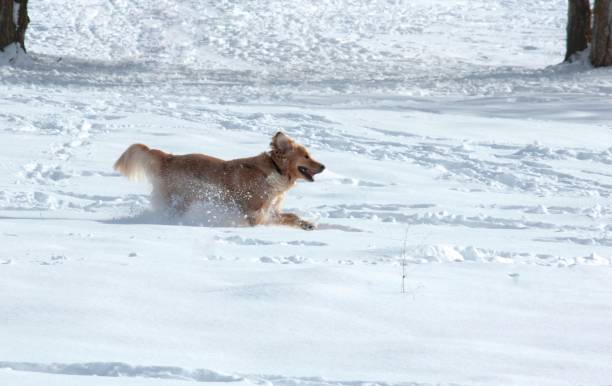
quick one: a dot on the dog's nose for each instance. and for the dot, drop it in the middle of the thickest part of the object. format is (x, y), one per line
(322, 168)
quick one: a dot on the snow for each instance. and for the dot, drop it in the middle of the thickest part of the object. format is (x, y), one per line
(487, 158)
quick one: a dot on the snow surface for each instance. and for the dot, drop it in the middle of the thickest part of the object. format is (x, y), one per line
(449, 125)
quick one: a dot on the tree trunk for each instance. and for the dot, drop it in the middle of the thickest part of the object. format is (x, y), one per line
(601, 48)
(14, 21)
(578, 27)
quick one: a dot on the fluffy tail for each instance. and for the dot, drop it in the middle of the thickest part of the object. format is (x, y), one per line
(138, 161)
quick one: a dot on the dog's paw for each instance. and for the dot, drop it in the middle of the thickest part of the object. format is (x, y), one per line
(307, 225)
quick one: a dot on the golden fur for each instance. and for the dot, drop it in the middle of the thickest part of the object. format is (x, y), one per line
(255, 186)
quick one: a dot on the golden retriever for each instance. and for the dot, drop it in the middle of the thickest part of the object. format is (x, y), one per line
(253, 186)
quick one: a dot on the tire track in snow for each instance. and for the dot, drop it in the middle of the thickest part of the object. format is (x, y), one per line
(441, 218)
(120, 369)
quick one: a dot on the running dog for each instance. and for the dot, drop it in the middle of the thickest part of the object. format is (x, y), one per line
(253, 186)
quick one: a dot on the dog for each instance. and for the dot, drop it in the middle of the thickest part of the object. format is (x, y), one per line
(253, 186)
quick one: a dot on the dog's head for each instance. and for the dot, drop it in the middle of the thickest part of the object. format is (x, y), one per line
(293, 159)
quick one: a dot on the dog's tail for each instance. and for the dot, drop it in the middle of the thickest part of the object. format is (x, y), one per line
(138, 161)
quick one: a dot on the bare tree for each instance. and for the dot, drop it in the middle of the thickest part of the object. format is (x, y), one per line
(578, 27)
(601, 47)
(14, 21)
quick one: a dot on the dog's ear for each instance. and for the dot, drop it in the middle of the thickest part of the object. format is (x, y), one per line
(281, 142)
(281, 145)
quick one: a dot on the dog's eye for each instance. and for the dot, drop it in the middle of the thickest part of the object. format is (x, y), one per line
(307, 156)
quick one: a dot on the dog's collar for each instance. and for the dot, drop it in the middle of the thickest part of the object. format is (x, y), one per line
(278, 170)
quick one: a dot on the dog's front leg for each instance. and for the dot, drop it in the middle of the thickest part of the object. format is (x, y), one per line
(293, 220)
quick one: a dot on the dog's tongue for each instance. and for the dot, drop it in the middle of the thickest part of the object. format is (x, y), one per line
(307, 173)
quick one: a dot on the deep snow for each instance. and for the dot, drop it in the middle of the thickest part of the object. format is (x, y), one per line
(451, 122)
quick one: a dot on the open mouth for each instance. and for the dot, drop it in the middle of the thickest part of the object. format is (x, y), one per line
(307, 173)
